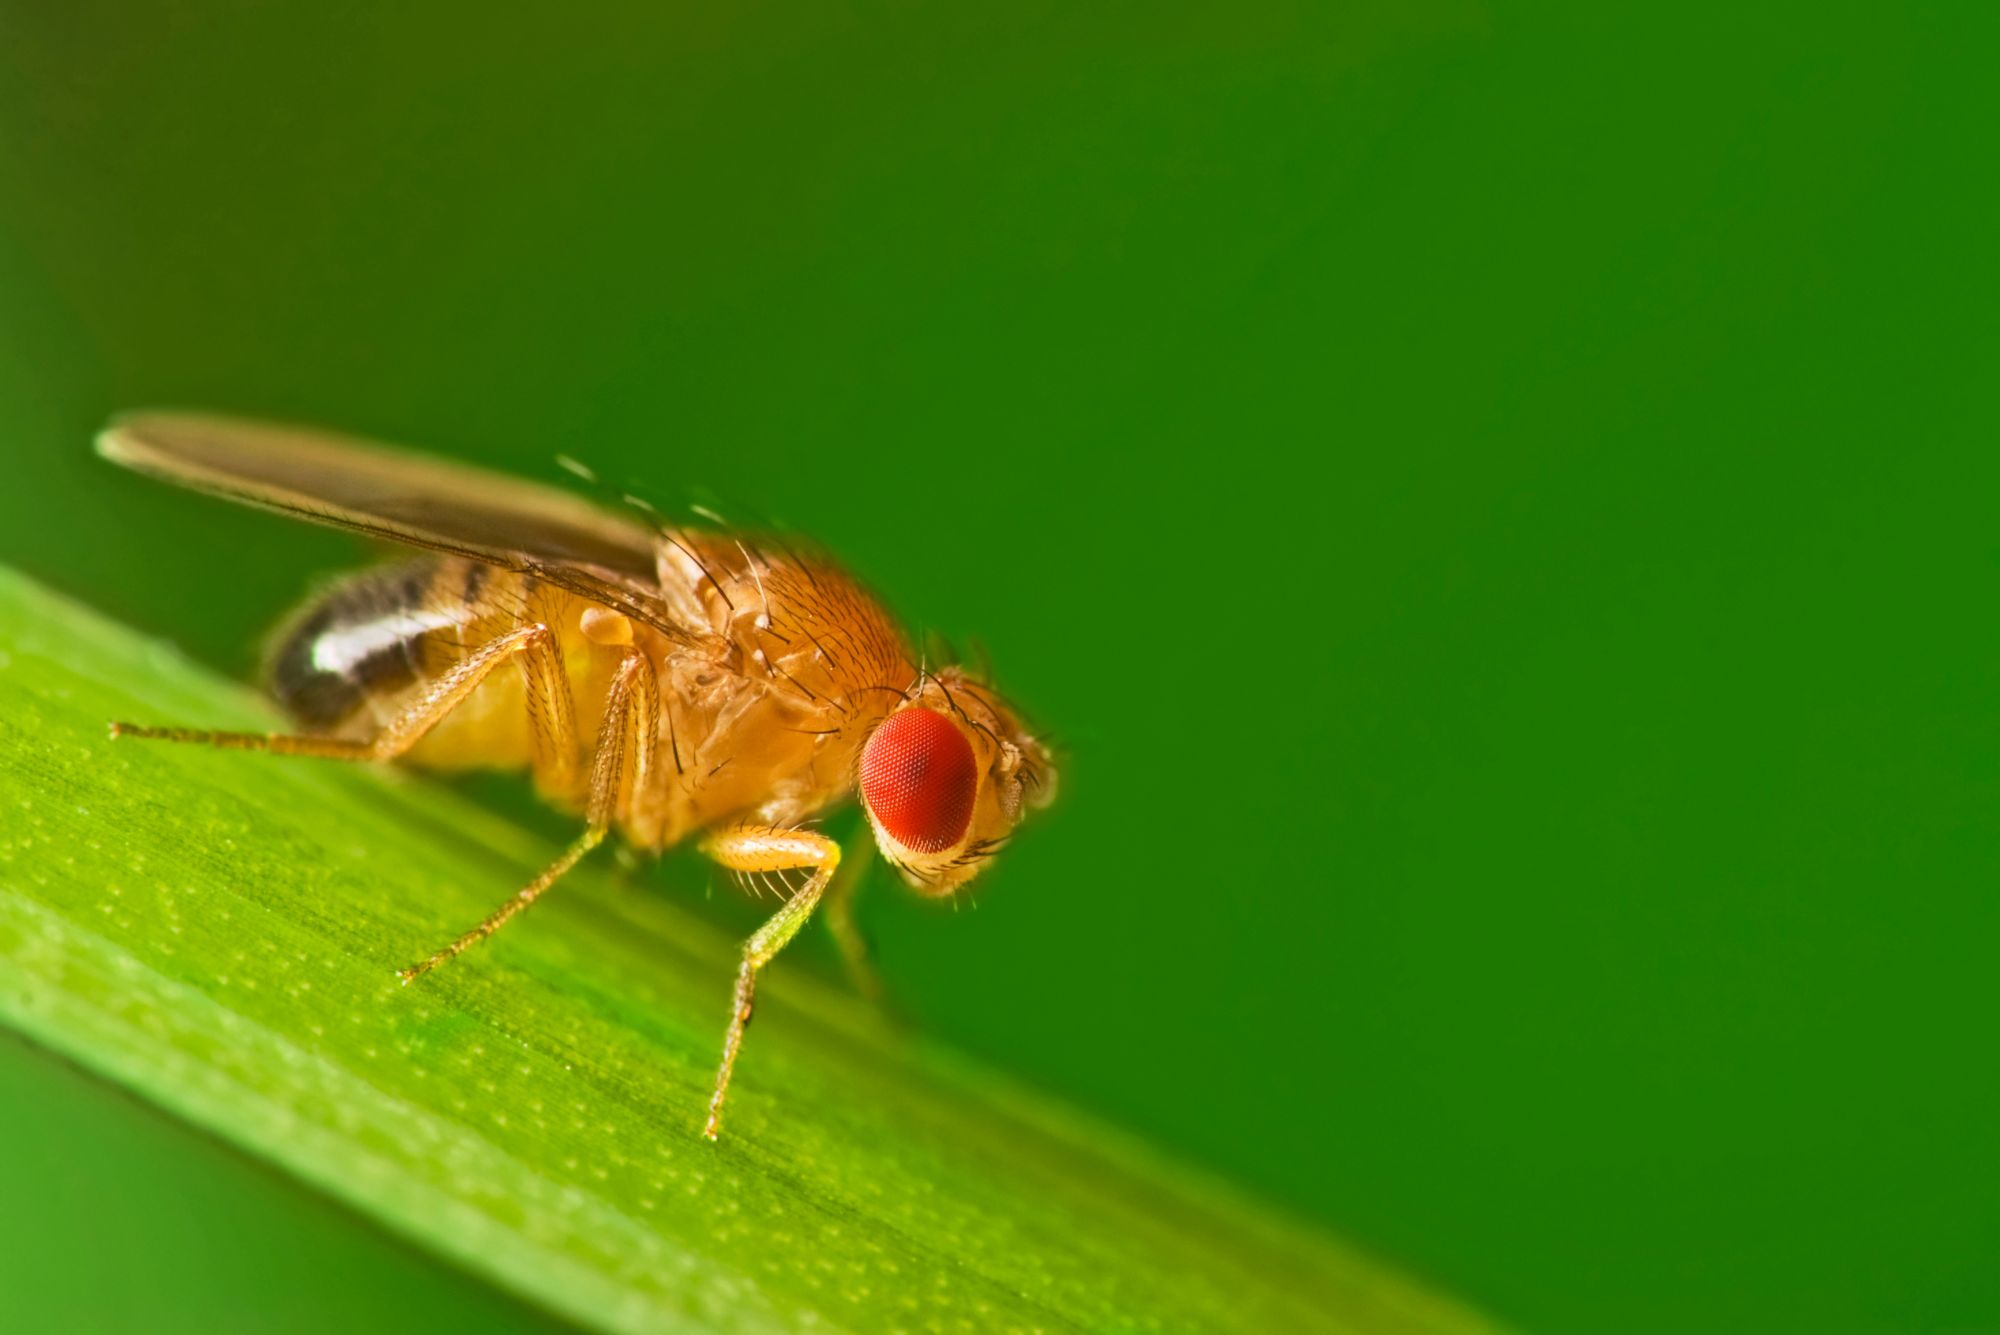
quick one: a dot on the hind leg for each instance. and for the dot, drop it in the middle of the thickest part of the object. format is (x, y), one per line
(551, 716)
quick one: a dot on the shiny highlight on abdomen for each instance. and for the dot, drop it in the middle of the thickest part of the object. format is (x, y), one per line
(362, 640)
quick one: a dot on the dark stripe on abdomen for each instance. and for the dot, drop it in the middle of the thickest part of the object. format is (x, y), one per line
(358, 641)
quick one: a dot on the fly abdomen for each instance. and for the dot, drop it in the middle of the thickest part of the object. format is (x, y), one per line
(364, 641)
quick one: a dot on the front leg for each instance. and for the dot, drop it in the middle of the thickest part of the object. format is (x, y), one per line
(756, 849)
(854, 952)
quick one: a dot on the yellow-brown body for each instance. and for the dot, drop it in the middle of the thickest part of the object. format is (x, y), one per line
(763, 704)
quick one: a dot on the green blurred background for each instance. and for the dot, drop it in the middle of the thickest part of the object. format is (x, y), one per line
(1498, 503)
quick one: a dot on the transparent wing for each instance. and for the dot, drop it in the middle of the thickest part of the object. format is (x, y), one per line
(402, 497)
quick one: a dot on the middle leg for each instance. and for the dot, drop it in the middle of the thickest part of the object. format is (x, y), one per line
(631, 713)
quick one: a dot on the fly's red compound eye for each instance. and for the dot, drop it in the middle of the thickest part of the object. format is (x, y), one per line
(919, 777)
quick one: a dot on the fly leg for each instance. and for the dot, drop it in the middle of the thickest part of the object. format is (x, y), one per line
(854, 952)
(631, 724)
(755, 850)
(552, 720)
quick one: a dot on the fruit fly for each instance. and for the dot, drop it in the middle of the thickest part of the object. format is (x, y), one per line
(663, 683)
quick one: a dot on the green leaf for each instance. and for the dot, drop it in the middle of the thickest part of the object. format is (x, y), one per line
(217, 932)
